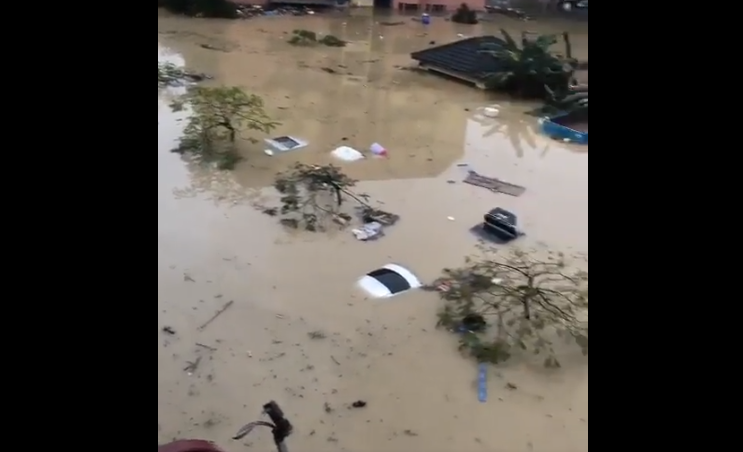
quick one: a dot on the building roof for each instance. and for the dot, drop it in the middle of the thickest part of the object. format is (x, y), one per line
(462, 57)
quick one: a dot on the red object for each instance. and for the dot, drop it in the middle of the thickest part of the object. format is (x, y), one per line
(189, 445)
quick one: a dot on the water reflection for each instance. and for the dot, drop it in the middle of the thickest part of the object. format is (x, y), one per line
(169, 128)
(520, 128)
(494, 141)
(166, 55)
(178, 176)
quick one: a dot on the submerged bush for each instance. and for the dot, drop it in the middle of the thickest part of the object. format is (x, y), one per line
(464, 15)
(201, 8)
(218, 116)
(309, 38)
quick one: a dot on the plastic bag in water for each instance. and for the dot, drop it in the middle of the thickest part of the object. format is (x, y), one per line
(369, 231)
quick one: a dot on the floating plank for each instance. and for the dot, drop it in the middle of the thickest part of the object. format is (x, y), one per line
(493, 184)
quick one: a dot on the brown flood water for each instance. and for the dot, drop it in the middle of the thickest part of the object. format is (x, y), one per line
(214, 247)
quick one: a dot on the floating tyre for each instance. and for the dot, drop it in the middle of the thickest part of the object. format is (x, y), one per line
(502, 224)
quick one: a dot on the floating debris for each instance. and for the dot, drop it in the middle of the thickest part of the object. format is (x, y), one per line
(169, 330)
(248, 11)
(493, 184)
(369, 231)
(370, 215)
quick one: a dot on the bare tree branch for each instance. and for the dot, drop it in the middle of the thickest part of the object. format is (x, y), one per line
(518, 302)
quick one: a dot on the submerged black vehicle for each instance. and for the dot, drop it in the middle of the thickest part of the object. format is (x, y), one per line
(502, 224)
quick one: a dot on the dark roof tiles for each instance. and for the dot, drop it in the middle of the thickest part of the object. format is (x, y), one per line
(461, 57)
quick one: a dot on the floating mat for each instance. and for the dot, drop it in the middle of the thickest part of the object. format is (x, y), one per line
(493, 184)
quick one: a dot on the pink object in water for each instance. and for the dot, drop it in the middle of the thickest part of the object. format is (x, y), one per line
(378, 149)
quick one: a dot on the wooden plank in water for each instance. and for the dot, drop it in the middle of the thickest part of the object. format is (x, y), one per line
(493, 184)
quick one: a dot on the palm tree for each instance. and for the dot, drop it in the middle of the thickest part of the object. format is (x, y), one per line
(526, 69)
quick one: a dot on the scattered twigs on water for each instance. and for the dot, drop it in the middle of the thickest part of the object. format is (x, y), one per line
(216, 314)
(192, 365)
(213, 349)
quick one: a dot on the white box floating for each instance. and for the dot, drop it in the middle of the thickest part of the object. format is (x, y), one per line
(285, 143)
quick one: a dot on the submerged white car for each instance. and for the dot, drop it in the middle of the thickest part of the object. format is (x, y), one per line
(389, 281)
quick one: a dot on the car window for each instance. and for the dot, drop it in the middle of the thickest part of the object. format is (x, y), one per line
(391, 279)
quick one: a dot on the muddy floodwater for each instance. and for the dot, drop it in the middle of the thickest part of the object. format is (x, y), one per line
(214, 247)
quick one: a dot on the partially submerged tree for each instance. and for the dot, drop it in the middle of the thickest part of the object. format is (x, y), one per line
(500, 306)
(464, 15)
(526, 69)
(219, 116)
(313, 195)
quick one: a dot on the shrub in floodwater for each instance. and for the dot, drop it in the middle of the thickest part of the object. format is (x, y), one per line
(332, 41)
(464, 15)
(201, 8)
(313, 194)
(499, 305)
(168, 73)
(218, 116)
(303, 38)
(309, 38)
